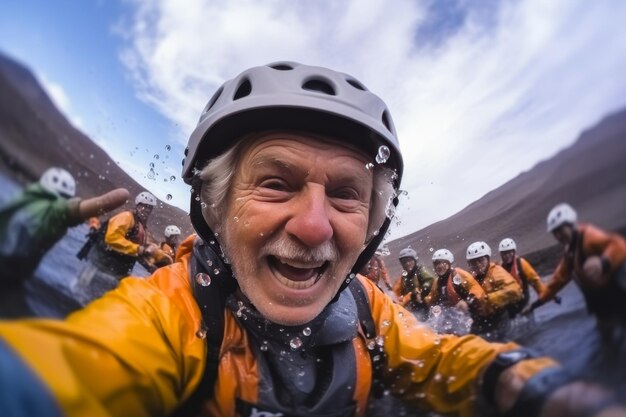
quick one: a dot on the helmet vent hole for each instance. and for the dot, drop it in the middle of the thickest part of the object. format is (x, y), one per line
(320, 86)
(211, 102)
(281, 67)
(244, 89)
(386, 119)
(356, 84)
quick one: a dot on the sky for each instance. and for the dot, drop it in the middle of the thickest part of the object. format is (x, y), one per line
(479, 90)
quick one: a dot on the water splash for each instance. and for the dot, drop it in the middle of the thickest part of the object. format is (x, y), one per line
(383, 154)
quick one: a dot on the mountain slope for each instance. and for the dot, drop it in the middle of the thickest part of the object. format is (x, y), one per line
(590, 175)
(34, 135)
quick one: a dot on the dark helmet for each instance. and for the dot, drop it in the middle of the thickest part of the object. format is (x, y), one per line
(291, 96)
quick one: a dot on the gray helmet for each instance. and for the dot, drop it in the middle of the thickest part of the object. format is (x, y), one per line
(291, 96)
(407, 253)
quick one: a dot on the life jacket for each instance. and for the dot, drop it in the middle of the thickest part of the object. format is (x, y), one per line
(607, 301)
(212, 293)
(117, 263)
(447, 294)
(517, 272)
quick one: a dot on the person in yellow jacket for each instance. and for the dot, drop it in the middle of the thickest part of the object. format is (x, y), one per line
(521, 270)
(451, 281)
(490, 313)
(598, 261)
(116, 249)
(262, 314)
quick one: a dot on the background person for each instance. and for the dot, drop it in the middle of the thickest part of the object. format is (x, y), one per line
(522, 271)
(122, 242)
(490, 313)
(376, 271)
(414, 284)
(262, 313)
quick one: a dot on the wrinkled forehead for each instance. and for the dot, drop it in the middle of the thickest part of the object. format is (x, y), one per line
(269, 142)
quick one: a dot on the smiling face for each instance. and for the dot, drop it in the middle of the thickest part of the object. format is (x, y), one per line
(478, 266)
(441, 267)
(296, 221)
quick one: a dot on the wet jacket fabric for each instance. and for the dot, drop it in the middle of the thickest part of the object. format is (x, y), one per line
(592, 241)
(29, 226)
(117, 253)
(526, 276)
(500, 291)
(139, 351)
(445, 291)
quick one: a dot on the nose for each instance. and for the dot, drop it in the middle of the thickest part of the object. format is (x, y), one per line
(310, 223)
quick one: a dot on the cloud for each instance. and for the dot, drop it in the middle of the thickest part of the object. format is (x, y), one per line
(479, 92)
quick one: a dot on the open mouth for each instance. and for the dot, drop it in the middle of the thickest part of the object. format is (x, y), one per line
(296, 274)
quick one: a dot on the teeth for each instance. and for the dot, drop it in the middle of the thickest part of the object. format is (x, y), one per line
(302, 265)
(298, 285)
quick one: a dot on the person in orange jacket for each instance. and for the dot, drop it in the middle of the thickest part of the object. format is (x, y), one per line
(263, 314)
(376, 271)
(522, 271)
(122, 242)
(597, 260)
(446, 290)
(490, 315)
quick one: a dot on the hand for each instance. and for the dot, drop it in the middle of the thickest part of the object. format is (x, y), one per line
(101, 204)
(593, 275)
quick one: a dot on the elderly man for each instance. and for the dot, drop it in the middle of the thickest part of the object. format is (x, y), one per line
(263, 314)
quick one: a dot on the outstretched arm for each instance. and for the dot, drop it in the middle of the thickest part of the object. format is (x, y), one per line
(99, 205)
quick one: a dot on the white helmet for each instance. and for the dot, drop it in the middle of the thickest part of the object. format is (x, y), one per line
(171, 230)
(478, 250)
(145, 197)
(443, 255)
(507, 244)
(561, 214)
(58, 181)
(407, 253)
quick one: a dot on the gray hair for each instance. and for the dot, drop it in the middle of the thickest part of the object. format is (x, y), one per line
(218, 174)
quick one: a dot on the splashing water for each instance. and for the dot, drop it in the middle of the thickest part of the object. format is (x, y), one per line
(383, 154)
(203, 279)
(172, 178)
(168, 147)
(306, 331)
(295, 343)
(168, 197)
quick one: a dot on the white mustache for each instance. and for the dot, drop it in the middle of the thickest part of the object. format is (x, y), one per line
(285, 248)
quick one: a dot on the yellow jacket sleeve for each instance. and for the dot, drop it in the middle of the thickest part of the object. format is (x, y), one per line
(504, 289)
(533, 277)
(115, 237)
(133, 352)
(438, 372)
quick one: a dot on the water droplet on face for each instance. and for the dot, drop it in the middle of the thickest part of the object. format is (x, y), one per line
(168, 147)
(369, 166)
(383, 154)
(168, 197)
(201, 333)
(306, 331)
(236, 219)
(203, 279)
(295, 343)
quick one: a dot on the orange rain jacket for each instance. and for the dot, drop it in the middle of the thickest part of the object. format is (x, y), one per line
(590, 241)
(137, 352)
(119, 227)
(500, 288)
